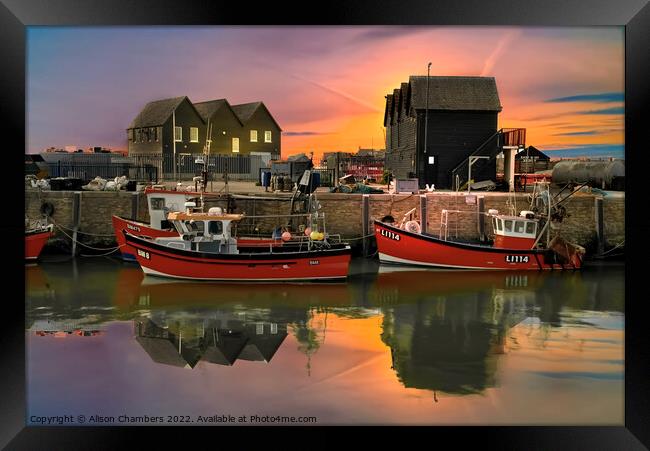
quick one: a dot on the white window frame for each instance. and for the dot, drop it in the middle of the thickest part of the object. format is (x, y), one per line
(267, 133)
(253, 136)
(178, 137)
(193, 131)
(235, 149)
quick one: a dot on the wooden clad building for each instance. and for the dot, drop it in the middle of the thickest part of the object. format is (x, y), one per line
(178, 126)
(461, 113)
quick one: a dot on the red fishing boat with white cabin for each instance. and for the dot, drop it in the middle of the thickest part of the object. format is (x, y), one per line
(160, 202)
(515, 247)
(209, 252)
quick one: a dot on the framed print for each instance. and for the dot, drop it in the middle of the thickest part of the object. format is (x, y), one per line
(376, 216)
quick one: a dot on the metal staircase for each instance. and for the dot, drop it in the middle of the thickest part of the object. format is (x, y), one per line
(490, 148)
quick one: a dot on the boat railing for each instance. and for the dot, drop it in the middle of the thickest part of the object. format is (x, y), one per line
(444, 221)
(272, 224)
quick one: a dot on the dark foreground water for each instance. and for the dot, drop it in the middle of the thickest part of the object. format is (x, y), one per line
(105, 345)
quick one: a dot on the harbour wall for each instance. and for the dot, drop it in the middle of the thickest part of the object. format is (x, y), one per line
(349, 215)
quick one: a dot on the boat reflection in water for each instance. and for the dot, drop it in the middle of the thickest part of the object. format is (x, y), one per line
(442, 331)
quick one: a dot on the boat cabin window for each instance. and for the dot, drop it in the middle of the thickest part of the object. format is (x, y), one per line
(157, 203)
(519, 226)
(196, 226)
(498, 225)
(530, 228)
(508, 225)
(215, 228)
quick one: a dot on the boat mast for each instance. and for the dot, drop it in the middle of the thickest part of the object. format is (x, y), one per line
(206, 156)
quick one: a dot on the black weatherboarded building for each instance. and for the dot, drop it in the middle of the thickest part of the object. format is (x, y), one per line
(462, 117)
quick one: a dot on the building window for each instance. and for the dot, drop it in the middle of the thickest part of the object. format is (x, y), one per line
(274, 328)
(267, 136)
(155, 133)
(235, 145)
(259, 328)
(253, 136)
(178, 134)
(194, 134)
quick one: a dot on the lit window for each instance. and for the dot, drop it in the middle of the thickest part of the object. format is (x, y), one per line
(235, 145)
(267, 136)
(194, 134)
(274, 328)
(178, 134)
(253, 136)
(259, 328)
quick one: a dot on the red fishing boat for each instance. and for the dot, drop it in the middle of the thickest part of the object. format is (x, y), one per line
(160, 202)
(515, 247)
(204, 249)
(35, 239)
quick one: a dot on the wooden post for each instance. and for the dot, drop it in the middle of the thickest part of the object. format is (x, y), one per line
(423, 212)
(76, 216)
(481, 218)
(365, 222)
(600, 224)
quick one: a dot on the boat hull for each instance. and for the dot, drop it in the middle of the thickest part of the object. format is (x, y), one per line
(285, 264)
(121, 225)
(34, 243)
(397, 246)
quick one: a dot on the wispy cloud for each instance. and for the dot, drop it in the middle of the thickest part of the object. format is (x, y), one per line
(589, 132)
(613, 110)
(604, 111)
(498, 51)
(304, 133)
(604, 97)
(588, 150)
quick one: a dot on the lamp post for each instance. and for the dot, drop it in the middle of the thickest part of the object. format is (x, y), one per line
(426, 121)
(426, 111)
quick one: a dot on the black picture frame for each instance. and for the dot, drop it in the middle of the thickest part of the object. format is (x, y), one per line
(16, 15)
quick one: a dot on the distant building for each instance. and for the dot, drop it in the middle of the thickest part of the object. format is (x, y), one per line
(365, 163)
(174, 126)
(461, 113)
(530, 160)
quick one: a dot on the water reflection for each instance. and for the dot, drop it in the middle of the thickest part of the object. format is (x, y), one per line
(445, 331)
(219, 338)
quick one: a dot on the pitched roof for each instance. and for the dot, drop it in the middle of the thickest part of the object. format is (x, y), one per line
(156, 112)
(532, 152)
(208, 108)
(455, 93)
(246, 110)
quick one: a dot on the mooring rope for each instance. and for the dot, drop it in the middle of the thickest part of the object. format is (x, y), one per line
(78, 231)
(112, 249)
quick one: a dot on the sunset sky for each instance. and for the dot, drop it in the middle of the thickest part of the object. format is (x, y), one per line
(324, 85)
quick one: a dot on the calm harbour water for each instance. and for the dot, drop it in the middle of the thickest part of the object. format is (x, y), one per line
(403, 346)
